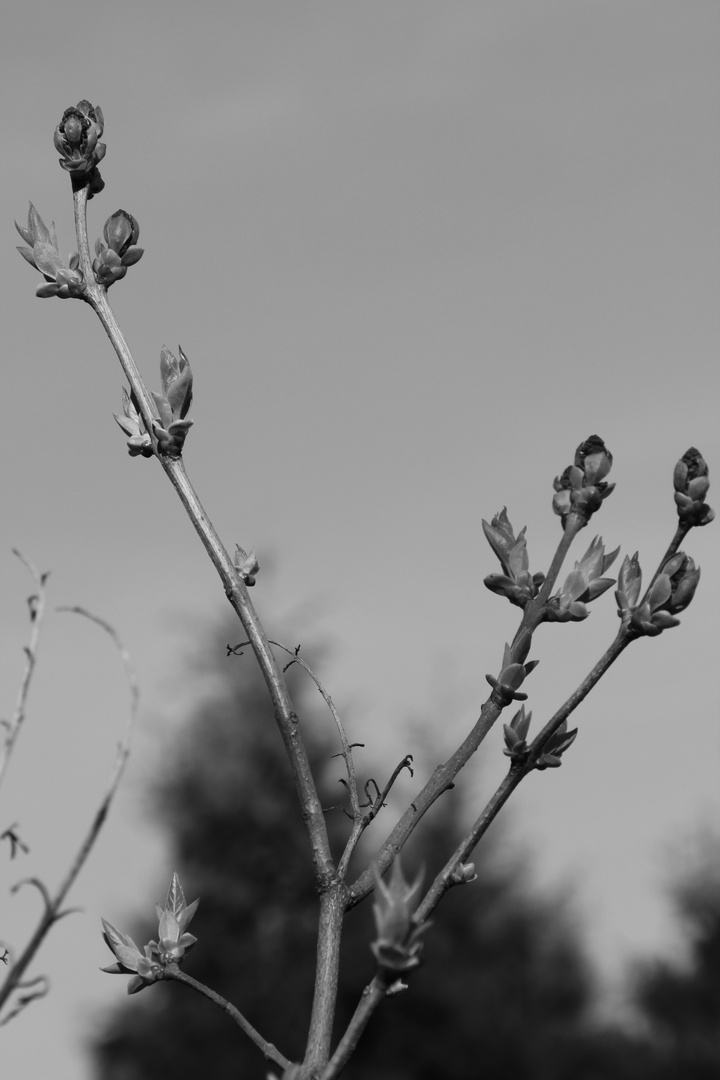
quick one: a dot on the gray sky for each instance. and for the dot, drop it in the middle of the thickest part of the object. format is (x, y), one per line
(416, 253)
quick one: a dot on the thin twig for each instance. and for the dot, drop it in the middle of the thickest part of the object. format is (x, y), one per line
(517, 772)
(375, 805)
(372, 995)
(173, 974)
(36, 605)
(346, 746)
(53, 910)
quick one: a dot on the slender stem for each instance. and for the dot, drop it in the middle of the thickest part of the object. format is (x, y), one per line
(285, 715)
(533, 612)
(573, 524)
(372, 995)
(376, 805)
(235, 588)
(444, 879)
(680, 533)
(620, 643)
(173, 974)
(36, 604)
(345, 743)
(441, 780)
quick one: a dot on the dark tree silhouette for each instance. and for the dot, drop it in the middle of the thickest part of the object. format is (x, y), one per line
(504, 992)
(680, 1003)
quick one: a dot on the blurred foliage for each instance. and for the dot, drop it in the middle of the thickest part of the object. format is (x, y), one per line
(504, 993)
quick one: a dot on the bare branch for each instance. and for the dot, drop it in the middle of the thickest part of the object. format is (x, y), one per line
(173, 974)
(36, 605)
(53, 905)
(346, 745)
(375, 992)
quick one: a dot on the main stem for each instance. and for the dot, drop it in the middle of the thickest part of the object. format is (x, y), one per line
(235, 587)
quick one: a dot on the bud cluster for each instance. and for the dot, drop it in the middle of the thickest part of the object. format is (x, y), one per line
(77, 141)
(44, 254)
(582, 487)
(582, 585)
(139, 441)
(692, 482)
(517, 749)
(171, 427)
(669, 594)
(170, 948)
(118, 250)
(397, 946)
(516, 582)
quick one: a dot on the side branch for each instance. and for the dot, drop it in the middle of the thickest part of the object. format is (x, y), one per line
(53, 909)
(448, 875)
(172, 973)
(372, 995)
(36, 605)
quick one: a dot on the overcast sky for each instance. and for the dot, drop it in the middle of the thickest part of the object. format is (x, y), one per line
(416, 252)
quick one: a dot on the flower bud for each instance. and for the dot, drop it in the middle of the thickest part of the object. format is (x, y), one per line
(76, 139)
(692, 482)
(121, 231)
(670, 593)
(684, 577)
(581, 488)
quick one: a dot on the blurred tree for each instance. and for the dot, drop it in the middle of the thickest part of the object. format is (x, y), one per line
(505, 990)
(680, 1003)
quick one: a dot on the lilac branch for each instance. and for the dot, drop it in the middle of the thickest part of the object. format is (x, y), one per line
(172, 973)
(375, 992)
(233, 581)
(443, 777)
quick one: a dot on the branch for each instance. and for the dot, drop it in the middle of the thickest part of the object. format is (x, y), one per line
(372, 995)
(36, 605)
(53, 911)
(172, 973)
(346, 746)
(233, 583)
(448, 876)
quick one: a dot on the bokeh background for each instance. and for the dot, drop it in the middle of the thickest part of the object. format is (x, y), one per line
(415, 252)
